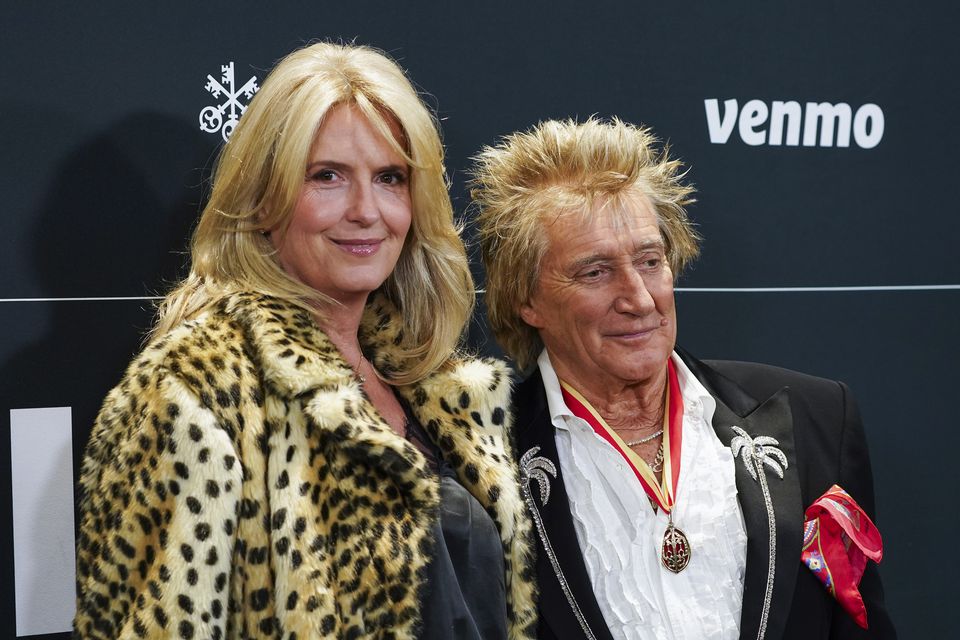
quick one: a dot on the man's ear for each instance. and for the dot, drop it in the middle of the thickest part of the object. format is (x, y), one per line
(530, 315)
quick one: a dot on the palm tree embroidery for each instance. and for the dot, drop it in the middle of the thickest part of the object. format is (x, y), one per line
(755, 454)
(539, 469)
(758, 451)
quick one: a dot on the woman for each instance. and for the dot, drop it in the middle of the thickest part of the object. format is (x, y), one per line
(299, 452)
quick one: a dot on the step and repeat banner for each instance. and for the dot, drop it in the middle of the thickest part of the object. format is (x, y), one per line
(821, 137)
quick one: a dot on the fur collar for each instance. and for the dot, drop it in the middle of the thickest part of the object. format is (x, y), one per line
(463, 407)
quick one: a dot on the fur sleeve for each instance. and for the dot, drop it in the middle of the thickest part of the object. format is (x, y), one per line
(159, 486)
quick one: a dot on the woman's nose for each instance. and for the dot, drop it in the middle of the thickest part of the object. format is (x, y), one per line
(363, 207)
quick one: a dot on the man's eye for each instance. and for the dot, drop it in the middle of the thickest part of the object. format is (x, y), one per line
(591, 274)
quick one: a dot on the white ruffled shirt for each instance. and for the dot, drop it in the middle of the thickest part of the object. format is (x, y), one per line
(620, 535)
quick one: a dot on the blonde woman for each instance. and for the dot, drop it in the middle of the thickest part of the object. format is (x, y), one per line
(300, 451)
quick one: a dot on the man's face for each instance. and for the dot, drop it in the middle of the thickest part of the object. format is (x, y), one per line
(604, 304)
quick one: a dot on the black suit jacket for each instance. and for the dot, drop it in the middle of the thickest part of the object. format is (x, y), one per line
(818, 427)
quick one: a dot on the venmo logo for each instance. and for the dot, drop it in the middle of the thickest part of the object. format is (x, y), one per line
(780, 123)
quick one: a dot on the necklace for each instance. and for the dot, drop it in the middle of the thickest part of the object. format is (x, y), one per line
(359, 377)
(650, 437)
(657, 465)
(675, 548)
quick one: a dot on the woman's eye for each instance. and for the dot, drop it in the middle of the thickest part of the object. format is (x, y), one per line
(324, 175)
(393, 178)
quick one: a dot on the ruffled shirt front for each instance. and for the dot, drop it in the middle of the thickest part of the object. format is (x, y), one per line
(620, 535)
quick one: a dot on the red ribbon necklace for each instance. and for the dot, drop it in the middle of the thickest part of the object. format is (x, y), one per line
(675, 549)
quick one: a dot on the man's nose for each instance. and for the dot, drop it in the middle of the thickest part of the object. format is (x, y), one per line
(633, 297)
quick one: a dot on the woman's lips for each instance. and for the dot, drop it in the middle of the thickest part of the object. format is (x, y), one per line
(361, 247)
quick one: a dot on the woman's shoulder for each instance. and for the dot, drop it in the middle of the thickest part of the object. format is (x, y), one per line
(468, 384)
(188, 377)
(206, 356)
(208, 338)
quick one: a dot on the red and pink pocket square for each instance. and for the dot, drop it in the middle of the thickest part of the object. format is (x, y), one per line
(838, 539)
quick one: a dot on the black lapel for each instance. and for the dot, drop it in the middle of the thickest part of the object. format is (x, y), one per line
(771, 417)
(534, 429)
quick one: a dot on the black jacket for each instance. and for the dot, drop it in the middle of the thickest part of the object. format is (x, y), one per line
(818, 427)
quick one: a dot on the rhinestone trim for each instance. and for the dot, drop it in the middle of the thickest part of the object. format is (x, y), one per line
(755, 453)
(541, 469)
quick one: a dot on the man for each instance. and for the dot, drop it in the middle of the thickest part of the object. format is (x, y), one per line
(654, 479)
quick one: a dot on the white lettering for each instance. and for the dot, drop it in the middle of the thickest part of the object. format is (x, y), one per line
(825, 124)
(792, 112)
(827, 115)
(41, 465)
(874, 115)
(720, 130)
(753, 115)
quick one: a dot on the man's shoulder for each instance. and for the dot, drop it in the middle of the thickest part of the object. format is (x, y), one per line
(761, 381)
(530, 410)
(758, 373)
(529, 396)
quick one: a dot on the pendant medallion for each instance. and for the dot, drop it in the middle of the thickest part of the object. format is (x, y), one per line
(675, 549)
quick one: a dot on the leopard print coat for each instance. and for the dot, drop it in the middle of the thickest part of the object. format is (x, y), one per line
(239, 484)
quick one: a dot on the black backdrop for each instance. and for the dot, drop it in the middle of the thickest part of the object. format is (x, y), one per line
(837, 260)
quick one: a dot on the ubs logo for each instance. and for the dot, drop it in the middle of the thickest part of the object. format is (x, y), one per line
(759, 124)
(223, 117)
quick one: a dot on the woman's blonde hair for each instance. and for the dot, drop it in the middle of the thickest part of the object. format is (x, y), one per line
(558, 168)
(258, 178)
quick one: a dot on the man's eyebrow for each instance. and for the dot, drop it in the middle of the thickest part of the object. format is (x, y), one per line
(657, 243)
(593, 258)
(639, 249)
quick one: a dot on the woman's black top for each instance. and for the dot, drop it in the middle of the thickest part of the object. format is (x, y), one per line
(465, 593)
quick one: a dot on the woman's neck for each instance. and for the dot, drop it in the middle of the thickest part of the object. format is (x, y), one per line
(341, 324)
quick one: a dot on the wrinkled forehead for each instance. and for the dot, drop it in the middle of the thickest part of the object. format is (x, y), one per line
(611, 230)
(619, 215)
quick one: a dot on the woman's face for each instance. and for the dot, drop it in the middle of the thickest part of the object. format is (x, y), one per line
(353, 213)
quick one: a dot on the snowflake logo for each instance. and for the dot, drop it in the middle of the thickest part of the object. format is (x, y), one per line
(224, 116)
